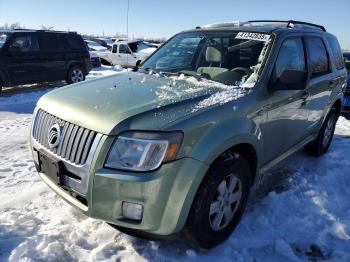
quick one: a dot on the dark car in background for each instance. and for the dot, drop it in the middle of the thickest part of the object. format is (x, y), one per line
(346, 102)
(34, 56)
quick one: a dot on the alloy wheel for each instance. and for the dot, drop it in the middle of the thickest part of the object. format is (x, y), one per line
(225, 202)
(327, 135)
(77, 76)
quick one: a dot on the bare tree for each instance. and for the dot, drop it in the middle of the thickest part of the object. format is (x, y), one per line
(13, 26)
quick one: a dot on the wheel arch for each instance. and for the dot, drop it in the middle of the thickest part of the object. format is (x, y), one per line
(75, 63)
(337, 105)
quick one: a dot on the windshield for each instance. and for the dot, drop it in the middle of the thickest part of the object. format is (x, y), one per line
(3, 38)
(94, 44)
(138, 46)
(225, 57)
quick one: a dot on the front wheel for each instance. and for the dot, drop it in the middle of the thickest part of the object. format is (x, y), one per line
(219, 203)
(325, 136)
(75, 74)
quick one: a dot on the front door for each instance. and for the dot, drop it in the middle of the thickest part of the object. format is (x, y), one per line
(287, 109)
(22, 59)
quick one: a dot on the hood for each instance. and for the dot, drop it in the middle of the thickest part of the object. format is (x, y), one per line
(101, 104)
(93, 54)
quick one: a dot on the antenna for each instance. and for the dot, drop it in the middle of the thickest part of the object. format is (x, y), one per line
(127, 36)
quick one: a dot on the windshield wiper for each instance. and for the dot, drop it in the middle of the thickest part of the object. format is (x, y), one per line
(148, 70)
(197, 76)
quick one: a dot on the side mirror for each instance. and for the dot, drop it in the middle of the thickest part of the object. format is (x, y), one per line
(136, 67)
(14, 49)
(138, 62)
(290, 80)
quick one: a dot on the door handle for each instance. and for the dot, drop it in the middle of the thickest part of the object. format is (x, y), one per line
(304, 97)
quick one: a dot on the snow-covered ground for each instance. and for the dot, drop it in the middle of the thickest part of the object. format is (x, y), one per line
(301, 210)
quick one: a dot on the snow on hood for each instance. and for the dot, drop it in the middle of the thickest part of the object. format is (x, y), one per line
(127, 94)
(148, 50)
(93, 54)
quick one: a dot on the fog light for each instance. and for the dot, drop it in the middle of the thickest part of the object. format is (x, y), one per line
(132, 211)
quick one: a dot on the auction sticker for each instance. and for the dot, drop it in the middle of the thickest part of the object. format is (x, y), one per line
(253, 36)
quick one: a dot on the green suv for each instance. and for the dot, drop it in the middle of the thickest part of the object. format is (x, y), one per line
(176, 144)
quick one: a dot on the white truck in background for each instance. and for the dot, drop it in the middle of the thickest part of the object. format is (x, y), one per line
(127, 53)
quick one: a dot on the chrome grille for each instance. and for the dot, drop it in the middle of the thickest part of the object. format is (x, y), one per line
(75, 141)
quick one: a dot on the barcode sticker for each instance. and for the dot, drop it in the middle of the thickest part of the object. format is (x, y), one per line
(253, 36)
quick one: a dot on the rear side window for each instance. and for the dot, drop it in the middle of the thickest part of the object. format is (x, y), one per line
(336, 53)
(75, 42)
(50, 42)
(25, 43)
(319, 63)
(291, 57)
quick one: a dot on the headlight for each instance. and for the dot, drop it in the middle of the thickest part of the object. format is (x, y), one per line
(143, 151)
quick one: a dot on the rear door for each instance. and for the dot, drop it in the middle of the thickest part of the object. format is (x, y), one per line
(321, 81)
(52, 56)
(22, 61)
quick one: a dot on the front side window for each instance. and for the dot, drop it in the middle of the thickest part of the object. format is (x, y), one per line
(123, 49)
(231, 58)
(290, 57)
(25, 43)
(336, 53)
(319, 63)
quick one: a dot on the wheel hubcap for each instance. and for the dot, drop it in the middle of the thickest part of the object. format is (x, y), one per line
(77, 76)
(225, 203)
(328, 132)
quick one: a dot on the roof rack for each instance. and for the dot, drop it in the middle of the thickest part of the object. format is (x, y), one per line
(290, 23)
(224, 24)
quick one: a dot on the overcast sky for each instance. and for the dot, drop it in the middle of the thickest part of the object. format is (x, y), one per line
(161, 18)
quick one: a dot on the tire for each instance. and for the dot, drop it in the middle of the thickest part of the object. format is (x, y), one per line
(325, 135)
(75, 74)
(202, 225)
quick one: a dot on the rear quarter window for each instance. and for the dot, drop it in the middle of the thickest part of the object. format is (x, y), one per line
(336, 53)
(318, 56)
(75, 43)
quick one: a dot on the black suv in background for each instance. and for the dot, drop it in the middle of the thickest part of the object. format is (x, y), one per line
(32, 56)
(346, 102)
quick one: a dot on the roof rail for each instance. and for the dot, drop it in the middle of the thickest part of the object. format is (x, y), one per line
(42, 30)
(290, 23)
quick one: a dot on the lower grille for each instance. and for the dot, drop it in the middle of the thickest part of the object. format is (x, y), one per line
(75, 142)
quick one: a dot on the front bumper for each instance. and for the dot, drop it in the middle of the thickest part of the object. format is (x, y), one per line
(165, 194)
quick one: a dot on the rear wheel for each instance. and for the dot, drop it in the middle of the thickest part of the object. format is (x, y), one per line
(325, 136)
(219, 203)
(75, 74)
